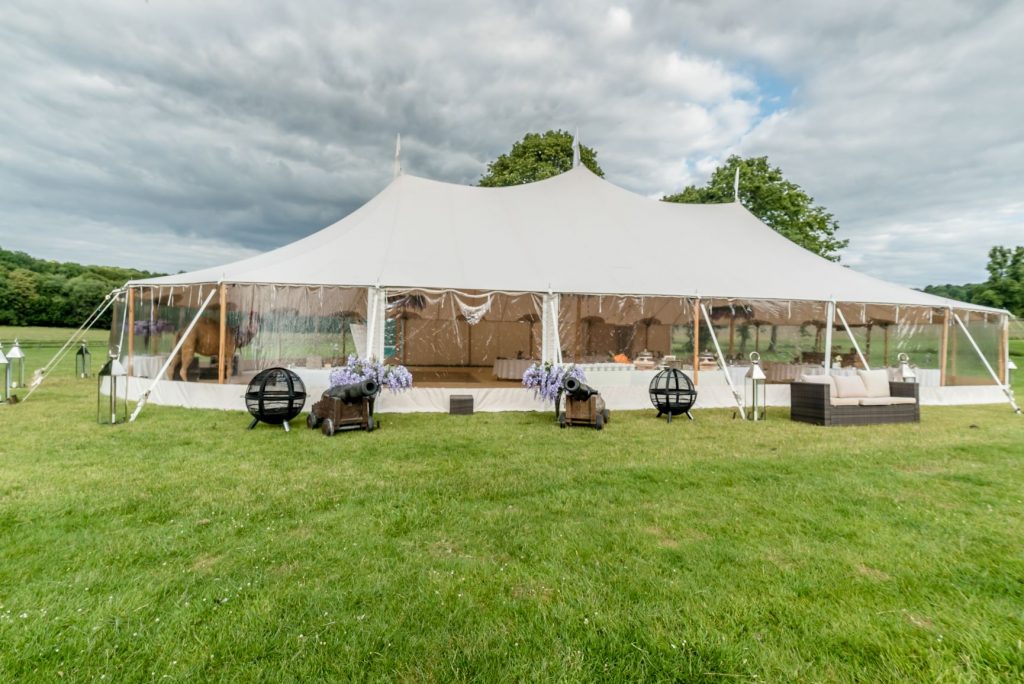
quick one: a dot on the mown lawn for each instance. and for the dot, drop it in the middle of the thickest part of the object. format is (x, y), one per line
(496, 547)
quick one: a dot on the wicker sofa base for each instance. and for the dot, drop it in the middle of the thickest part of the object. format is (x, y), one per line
(810, 403)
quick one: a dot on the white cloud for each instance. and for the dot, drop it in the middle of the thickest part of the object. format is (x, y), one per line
(241, 130)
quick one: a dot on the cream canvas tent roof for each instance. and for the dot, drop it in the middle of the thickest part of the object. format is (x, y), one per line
(574, 233)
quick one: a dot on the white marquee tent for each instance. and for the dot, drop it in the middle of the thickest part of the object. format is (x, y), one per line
(454, 280)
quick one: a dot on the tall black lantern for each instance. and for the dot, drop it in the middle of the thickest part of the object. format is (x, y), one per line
(83, 361)
(112, 408)
(672, 393)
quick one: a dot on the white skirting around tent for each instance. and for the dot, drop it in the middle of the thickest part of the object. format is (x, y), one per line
(711, 394)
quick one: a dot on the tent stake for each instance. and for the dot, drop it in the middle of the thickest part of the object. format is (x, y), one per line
(1006, 388)
(721, 364)
(170, 358)
(849, 332)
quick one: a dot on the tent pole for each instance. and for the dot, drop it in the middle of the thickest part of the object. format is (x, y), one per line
(732, 336)
(944, 348)
(100, 309)
(830, 321)
(885, 345)
(696, 341)
(131, 329)
(1006, 388)
(174, 352)
(1004, 348)
(849, 332)
(579, 330)
(867, 344)
(223, 333)
(721, 364)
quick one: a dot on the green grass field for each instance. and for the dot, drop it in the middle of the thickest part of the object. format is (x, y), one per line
(496, 547)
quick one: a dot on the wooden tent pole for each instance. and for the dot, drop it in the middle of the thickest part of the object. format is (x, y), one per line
(131, 329)
(943, 348)
(223, 333)
(885, 344)
(696, 341)
(732, 335)
(579, 330)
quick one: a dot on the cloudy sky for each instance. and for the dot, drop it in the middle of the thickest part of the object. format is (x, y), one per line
(172, 135)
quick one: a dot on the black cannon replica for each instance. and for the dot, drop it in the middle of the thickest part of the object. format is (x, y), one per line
(345, 407)
(583, 406)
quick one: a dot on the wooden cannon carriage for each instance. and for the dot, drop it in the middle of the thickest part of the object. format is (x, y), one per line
(583, 406)
(348, 407)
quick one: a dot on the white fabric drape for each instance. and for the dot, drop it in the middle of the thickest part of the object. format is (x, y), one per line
(551, 346)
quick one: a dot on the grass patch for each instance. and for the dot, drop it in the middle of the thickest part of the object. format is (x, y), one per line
(497, 547)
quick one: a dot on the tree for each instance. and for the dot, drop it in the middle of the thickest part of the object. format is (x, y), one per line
(536, 157)
(780, 203)
(1005, 285)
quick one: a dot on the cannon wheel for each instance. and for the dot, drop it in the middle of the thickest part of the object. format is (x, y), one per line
(561, 420)
(369, 424)
(312, 421)
(327, 427)
(599, 422)
(607, 416)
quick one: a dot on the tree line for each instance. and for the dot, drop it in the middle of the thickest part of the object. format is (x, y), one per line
(53, 293)
(1004, 288)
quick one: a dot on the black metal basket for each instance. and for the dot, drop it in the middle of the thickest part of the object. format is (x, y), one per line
(673, 393)
(275, 396)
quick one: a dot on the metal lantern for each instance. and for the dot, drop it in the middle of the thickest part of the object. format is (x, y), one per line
(5, 376)
(907, 373)
(16, 369)
(755, 389)
(83, 361)
(113, 408)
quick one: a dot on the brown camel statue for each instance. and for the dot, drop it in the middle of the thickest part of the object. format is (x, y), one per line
(205, 339)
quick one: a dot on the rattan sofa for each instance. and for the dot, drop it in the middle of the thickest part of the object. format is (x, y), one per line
(813, 403)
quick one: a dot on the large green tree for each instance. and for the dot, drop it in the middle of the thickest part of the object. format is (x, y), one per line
(1004, 288)
(536, 157)
(780, 203)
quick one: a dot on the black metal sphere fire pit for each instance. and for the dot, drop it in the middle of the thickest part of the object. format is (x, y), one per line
(673, 393)
(275, 396)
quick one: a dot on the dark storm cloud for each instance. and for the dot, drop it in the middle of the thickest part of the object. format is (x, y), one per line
(174, 135)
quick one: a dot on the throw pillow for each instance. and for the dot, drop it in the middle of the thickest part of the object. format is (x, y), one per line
(876, 382)
(850, 386)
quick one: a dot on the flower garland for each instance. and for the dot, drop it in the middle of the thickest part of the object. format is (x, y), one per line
(546, 379)
(395, 378)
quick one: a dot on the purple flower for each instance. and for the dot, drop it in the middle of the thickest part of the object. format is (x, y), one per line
(546, 379)
(395, 378)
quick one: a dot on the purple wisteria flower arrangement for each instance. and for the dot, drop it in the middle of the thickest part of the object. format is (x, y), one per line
(395, 378)
(546, 379)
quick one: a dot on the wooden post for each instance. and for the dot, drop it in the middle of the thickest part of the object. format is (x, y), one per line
(885, 345)
(954, 343)
(696, 341)
(943, 348)
(732, 335)
(579, 330)
(223, 333)
(131, 328)
(1004, 348)
(867, 345)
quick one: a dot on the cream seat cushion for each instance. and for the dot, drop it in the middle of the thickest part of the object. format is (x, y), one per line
(876, 382)
(850, 386)
(886, 401)
(846, 401)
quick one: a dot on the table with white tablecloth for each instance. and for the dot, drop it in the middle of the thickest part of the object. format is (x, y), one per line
(511, 369)
(147, 365)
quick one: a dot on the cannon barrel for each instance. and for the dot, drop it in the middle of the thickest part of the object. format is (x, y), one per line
(579, 391)
(357, 391)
